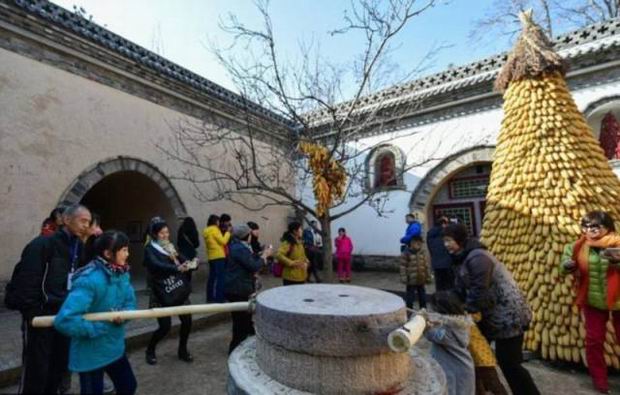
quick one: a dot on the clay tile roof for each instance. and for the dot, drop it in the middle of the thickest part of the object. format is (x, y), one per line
(590, 39)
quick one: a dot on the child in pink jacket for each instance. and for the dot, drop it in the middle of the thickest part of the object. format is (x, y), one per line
(344, 249)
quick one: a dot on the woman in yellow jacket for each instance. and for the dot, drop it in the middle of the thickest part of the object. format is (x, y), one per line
(292, 256)
(215, 243)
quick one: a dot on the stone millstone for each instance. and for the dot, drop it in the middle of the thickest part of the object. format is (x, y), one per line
(366, 374)
(245, 377)
(329, 320)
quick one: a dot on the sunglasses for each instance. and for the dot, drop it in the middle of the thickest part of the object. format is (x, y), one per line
(587, 227)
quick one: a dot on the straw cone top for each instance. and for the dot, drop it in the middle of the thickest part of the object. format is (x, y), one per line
(531, 56)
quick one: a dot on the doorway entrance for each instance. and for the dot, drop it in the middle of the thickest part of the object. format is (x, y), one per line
(126, 193)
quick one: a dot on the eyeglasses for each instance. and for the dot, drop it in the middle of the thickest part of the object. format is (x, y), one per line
(590, 227)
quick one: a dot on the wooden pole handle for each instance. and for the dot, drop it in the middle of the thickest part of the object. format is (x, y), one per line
(405, 337)
(48, 320)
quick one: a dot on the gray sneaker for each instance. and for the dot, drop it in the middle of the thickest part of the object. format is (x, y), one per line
(108, 386)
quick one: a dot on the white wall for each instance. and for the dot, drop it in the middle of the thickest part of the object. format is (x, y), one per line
(427, 145)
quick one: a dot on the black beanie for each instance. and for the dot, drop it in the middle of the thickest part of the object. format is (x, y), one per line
(458, 232)
(157, 224)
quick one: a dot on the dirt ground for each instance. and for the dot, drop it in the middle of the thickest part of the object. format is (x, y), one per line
(207, 374)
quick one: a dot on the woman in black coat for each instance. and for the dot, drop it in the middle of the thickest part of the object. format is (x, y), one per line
(487, 288)
(187, 238)
(161, 261)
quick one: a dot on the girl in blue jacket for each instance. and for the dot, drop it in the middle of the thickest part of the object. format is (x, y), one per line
(97, 346)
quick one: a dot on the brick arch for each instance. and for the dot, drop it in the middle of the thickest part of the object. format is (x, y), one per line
(97, 172)
(434, 179)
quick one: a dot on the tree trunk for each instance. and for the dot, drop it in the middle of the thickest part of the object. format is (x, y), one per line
(327, 250)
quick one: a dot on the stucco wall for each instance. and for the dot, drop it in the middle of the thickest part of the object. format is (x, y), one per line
(54, 125)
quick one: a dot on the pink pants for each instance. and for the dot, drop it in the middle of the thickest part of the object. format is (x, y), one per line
(596, 321)
(344, 268)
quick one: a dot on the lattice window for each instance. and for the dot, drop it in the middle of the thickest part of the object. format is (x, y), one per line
(463, 212)
(469, 187)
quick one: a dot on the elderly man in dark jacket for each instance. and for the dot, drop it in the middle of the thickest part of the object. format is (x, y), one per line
(39, 286)
(240, 281)
(441, 261)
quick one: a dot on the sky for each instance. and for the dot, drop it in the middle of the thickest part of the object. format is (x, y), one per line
(182, 30)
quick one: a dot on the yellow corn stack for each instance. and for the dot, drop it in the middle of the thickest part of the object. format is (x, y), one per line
(548, 171)
(329, 176)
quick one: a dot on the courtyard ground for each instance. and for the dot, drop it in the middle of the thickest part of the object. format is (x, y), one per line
(209, 345)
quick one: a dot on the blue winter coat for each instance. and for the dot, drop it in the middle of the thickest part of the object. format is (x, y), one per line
(413, 230)
(440, 257)
(95, 344)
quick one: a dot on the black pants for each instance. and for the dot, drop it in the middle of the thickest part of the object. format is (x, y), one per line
(291, 282)
(45, 359)
(509, 353)
(121, 374)
(444, 279)
(164, 328)
(242, 325)
(313, 256)
(411, 292)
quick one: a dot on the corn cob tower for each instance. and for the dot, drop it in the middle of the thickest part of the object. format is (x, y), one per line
(548, 171)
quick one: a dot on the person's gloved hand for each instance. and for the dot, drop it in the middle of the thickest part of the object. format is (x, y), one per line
(569, 265)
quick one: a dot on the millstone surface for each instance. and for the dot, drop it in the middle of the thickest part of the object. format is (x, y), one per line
(247, 378)
(328, 319)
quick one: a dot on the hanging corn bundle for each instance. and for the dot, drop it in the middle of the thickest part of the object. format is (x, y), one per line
(548, 171)
(329, 176)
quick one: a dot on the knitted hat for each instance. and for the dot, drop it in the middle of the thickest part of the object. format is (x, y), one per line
(241, 231)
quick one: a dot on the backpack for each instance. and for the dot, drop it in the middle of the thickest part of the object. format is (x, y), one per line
(13, 299)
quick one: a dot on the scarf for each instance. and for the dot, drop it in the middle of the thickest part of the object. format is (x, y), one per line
(581, 254)
(165, 247)
(114, 267)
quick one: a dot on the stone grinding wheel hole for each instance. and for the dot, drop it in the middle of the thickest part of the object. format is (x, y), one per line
(308, 300)
(344, 295)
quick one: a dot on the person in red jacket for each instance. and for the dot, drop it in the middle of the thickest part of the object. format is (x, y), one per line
(344, 249)
(53, 222)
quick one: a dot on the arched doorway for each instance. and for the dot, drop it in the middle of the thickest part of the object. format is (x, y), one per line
(456, 187)
(127, 193)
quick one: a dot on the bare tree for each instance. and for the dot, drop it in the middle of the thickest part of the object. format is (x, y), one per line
(585, 12)
(256, 162)
(502, 17)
